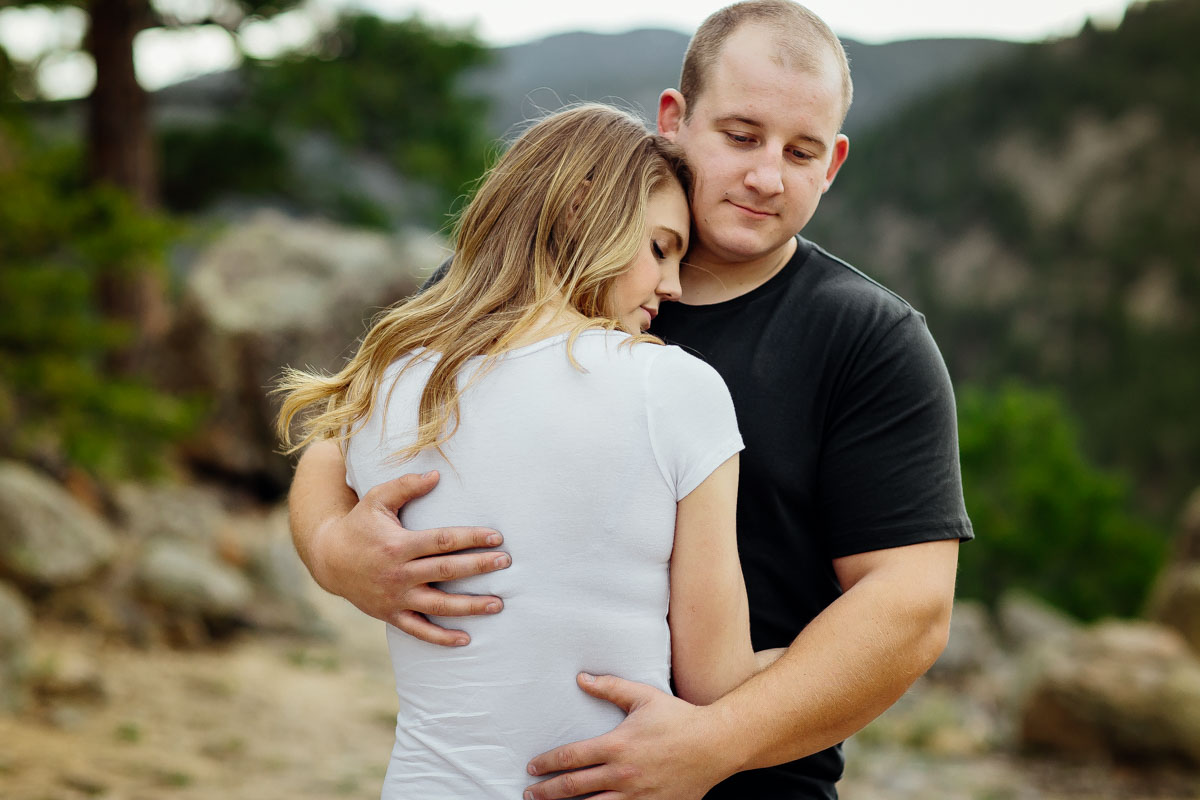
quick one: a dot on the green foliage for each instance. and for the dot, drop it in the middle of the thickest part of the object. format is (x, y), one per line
(200, 164)
(1107, 300)
(1047, 521)
(387, 88)
(58, 405)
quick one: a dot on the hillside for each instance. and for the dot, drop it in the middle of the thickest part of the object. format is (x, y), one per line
(635, 67)
(1043, 215)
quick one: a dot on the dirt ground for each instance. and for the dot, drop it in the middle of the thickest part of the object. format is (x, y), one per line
(263, 718)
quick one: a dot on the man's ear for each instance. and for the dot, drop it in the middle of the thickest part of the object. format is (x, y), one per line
(671, 110)
(841, 149)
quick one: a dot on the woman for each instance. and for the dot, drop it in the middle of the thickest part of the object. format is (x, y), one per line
(608, 460)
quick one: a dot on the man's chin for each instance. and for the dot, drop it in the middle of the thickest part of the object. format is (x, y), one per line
(742, 246)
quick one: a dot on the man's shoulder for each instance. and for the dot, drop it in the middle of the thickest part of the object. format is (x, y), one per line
(835, 286)
(835, 277)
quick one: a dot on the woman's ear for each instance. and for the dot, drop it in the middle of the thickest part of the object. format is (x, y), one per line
(577, 200)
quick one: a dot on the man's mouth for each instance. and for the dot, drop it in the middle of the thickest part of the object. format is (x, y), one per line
(751, 210)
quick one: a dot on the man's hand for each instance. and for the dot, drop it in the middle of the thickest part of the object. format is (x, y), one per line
(362, 553)
(665, 748)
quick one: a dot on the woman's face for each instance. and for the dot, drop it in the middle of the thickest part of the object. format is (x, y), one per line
(653, 276)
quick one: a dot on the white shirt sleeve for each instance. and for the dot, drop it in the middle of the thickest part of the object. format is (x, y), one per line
(693, 429)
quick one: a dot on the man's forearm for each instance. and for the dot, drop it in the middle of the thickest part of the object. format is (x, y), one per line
(843, 670)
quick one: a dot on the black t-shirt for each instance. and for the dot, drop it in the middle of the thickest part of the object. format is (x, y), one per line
(848, 417)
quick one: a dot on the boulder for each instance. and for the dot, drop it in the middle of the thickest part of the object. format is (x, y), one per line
(1126, 690)
(189, 580)
(1025, 621)
(274, 292)
(47, 538)
(972, 646)
(937, 720)
(1175, 601)
(1187, 541)
(180, 512)
(282, 585)
(16, 632)
(65, 673)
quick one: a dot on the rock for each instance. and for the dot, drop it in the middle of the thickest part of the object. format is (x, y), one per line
(179, 512)
(276, 292)
(972, 646)
(937, 720)
(283, 585)
(185, 579)
(1187, 541)
(16, 630)
(47, 538)
(67, 674)
(1175, 601)
(1127, 690)
(1026, 621)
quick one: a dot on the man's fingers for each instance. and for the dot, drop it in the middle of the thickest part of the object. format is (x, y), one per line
(588, 753)
(395, 493)
(618, 691)
(433, 569)
(436, 603)
(573, 784)
(436, 541)
(418, 627)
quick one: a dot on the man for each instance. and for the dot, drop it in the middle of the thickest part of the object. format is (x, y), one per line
(850, 504)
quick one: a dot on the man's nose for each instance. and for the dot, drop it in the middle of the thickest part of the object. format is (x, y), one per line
(765, 175)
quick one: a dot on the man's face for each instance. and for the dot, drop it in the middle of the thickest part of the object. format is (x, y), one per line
(763, 144)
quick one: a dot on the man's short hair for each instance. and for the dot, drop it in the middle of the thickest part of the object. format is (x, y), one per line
(803, 37)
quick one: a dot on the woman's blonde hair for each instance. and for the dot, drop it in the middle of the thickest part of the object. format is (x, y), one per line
(554, 222)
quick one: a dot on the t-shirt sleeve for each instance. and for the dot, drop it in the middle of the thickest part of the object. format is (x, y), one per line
(889, 464)
(692, 425)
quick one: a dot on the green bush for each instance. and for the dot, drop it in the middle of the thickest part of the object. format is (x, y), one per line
(199, 164)
(1046, 520)
(59, 404)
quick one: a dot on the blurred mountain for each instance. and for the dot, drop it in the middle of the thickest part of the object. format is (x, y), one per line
(228, 147)
(1043, 214)
(633, 68)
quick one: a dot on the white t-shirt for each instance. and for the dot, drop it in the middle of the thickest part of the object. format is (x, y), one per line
(581, 472)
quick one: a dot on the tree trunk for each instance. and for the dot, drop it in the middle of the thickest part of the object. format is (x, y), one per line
(120, 144)
(120, 148)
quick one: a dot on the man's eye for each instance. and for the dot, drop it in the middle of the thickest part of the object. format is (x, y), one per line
(800, 155)
(738, 138)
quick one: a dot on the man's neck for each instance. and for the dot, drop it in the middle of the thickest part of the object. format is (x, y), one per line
(707, 279)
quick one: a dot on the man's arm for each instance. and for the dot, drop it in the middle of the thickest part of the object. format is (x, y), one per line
(844, 669)
(357, 549)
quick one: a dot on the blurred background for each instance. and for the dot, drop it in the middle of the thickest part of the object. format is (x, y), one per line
(195, 193)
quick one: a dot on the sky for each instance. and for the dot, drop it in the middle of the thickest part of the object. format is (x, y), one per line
(163, 57)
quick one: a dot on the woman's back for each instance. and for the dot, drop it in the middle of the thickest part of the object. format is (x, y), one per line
(581, 471)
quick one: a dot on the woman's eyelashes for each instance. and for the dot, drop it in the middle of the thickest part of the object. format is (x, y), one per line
(658, 250)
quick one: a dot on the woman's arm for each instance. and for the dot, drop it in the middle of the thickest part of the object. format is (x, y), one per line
(709, 614)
